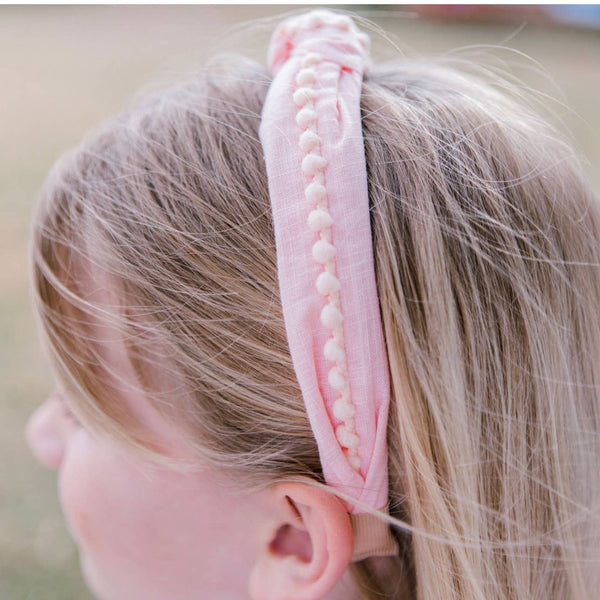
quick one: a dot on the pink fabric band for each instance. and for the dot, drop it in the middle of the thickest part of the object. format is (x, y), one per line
(312, 140)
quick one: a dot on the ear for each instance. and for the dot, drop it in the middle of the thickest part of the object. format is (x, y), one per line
(305, 546)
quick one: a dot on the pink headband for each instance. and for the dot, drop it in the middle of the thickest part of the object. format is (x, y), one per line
(312, 140)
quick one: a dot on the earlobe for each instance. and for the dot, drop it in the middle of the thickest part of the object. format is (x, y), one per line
(306, 545)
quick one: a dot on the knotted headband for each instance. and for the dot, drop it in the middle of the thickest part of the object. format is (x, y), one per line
(313, 146)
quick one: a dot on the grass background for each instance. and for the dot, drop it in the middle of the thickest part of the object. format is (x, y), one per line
(66, 68)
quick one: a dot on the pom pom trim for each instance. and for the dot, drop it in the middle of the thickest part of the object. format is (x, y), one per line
(327, 284)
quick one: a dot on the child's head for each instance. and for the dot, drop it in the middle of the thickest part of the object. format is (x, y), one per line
(155, 278)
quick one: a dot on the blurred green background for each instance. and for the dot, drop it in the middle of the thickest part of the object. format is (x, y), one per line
(66, 68)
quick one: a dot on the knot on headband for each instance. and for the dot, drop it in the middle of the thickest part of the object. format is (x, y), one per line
(326, 34)
(312, 140)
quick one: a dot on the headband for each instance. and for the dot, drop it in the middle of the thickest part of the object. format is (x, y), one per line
(313, 147)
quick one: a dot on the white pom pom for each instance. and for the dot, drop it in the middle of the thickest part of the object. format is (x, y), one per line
(333, 351)
(323, 252)
(306, 77)
(343, 410)
(291, 29)
(313, 164)
(311, 59)
(327, 283)
(308, 140)
(315, 192)
(316, 19)
(336, 379)
(346, 438)
(306, 117)
(340, 21)
(364, 40)
(354, 461)
(331, 317)
(319, 219)
(304, 95)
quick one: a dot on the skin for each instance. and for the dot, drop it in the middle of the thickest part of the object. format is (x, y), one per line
(119, 509)
(146, 532)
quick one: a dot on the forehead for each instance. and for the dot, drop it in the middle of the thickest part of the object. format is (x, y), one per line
(105, 332)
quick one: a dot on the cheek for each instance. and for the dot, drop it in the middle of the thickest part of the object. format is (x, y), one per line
(98, 491)
(146, 531)
(79, 481)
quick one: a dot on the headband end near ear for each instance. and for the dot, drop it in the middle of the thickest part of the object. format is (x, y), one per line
(372, 537)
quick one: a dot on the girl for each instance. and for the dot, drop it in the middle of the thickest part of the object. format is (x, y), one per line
(200, 264)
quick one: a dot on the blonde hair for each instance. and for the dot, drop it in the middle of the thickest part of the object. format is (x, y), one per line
(487, 246)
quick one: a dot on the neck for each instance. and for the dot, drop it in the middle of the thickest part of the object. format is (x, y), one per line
(345, 589)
